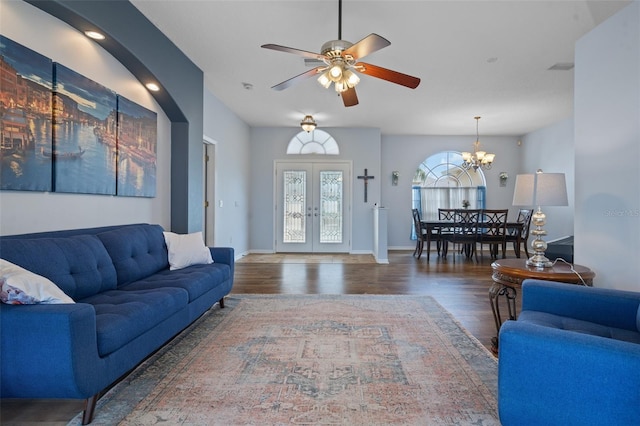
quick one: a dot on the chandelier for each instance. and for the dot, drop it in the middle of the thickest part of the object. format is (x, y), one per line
(308, 123)
(478, 158)
(338, 69)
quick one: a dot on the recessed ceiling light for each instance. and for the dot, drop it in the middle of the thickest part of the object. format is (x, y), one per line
(153, 87)
(94, 35)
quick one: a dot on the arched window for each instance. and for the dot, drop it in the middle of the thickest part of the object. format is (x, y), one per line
(441, 182)
(313, 142)
(444, 170)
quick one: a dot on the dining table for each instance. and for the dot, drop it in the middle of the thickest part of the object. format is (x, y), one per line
(432, 226)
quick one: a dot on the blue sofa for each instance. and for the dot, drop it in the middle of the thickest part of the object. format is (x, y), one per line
(571, 358)
(128, 304)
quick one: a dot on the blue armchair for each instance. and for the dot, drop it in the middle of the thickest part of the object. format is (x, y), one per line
(571, 358)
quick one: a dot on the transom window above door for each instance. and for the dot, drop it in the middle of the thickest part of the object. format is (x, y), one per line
(313, 142)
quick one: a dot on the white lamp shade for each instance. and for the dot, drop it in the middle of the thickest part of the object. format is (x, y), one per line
(540, 189)
(523, 193)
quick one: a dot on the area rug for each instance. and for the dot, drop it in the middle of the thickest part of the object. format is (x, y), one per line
(313, 360)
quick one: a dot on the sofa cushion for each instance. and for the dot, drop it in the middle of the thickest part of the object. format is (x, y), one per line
(571, 324)
(121, 316)
(22, 287)
(196, 279)
(186, 250)
(137, 251)
(79, 265)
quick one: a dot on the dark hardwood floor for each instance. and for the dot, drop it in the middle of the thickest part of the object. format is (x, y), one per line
(461, 286)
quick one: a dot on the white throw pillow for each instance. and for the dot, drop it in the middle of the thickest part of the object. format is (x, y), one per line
(22, 287)
(186, 250)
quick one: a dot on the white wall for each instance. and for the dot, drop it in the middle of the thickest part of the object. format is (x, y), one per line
(362, 146)
(22, 212)
(232, 173)
(405, 153)
(552, 150)
(607, 150)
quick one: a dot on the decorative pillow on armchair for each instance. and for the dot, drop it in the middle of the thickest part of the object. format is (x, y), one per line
(186, 250)
(22, 287)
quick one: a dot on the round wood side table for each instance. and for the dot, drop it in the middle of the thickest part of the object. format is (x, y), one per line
(509, 274)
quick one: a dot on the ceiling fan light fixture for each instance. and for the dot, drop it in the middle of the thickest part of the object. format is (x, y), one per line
(346, 79)
(308, 123)
(335, 73)
(351, 78)
(324, 80)
(340, 59)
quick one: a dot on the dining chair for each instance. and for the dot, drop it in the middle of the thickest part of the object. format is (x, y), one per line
(421, 233)
(465, 232)
(445, 232)
(493, 231)
(524, 221)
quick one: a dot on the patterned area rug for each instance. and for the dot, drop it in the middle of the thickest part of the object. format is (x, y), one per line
(313, 360)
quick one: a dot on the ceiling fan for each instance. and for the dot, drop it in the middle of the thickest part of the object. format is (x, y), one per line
(340, 64)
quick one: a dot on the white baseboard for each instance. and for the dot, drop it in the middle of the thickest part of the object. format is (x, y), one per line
(361, 252)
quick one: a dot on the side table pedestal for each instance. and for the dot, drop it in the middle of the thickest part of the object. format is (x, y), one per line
(509, 274)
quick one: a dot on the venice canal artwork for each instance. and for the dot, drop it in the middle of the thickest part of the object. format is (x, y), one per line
(87, 120)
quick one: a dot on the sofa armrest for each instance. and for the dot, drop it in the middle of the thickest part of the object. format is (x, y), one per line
(49, 351)
(613, 308)
(224, 255)
(552, 376)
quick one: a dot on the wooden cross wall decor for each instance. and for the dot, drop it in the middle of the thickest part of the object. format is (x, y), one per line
(366, 178)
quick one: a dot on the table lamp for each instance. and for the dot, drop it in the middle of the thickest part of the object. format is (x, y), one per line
(540, 189)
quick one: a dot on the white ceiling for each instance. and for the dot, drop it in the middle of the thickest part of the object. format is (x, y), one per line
(486, 58)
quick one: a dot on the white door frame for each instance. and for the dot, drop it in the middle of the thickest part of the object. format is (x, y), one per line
(209, 190)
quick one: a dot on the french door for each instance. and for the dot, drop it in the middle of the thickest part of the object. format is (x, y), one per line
(313, 207)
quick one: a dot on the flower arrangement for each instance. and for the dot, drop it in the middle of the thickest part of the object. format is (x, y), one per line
(504, 176)
(465, 203)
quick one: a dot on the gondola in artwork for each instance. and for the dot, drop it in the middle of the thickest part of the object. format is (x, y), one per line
(84, 118)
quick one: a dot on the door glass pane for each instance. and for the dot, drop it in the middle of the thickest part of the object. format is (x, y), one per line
(331, 207)
(295, 186)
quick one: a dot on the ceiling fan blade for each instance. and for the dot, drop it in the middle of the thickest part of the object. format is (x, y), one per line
(366, 46)
(389, 75)
(293, 80)
(298, 52)
(349, 97)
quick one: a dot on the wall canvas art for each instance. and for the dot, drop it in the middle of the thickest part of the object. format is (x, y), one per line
(25, 118)
(84, 129)
(137, 149)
